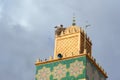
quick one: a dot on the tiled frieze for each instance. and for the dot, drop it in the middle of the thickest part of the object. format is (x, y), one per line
(43, 74)
(76, 68)
(59, 71)
(73, 69)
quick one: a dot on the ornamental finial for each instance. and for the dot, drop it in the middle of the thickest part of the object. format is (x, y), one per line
(74, 21)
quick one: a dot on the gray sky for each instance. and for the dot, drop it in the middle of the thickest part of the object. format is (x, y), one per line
(27, 33)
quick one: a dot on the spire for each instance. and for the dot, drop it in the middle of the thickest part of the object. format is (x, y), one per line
(74, 21)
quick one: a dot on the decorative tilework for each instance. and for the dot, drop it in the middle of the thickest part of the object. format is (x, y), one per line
(69, 69)
(76, 68)
(59, 71)
(43, 74)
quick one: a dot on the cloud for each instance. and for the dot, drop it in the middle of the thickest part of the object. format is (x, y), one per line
(27, 32)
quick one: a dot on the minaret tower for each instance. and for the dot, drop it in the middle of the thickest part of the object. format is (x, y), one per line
(70, 41)
(73, 58)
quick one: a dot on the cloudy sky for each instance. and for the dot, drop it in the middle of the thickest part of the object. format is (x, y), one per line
(27, 33)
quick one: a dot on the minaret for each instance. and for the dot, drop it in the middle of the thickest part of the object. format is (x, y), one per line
(73, 58)
(70, 41)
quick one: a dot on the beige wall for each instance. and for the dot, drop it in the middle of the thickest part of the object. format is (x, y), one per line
(70, 41)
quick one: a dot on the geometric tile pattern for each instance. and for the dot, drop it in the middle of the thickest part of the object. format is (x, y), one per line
(76, 68)
(79, 68)
(67, 46)
(43, 74)
(59, 71)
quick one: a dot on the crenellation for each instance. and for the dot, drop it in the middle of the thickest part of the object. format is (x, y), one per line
(51, 58)
(62, 33)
